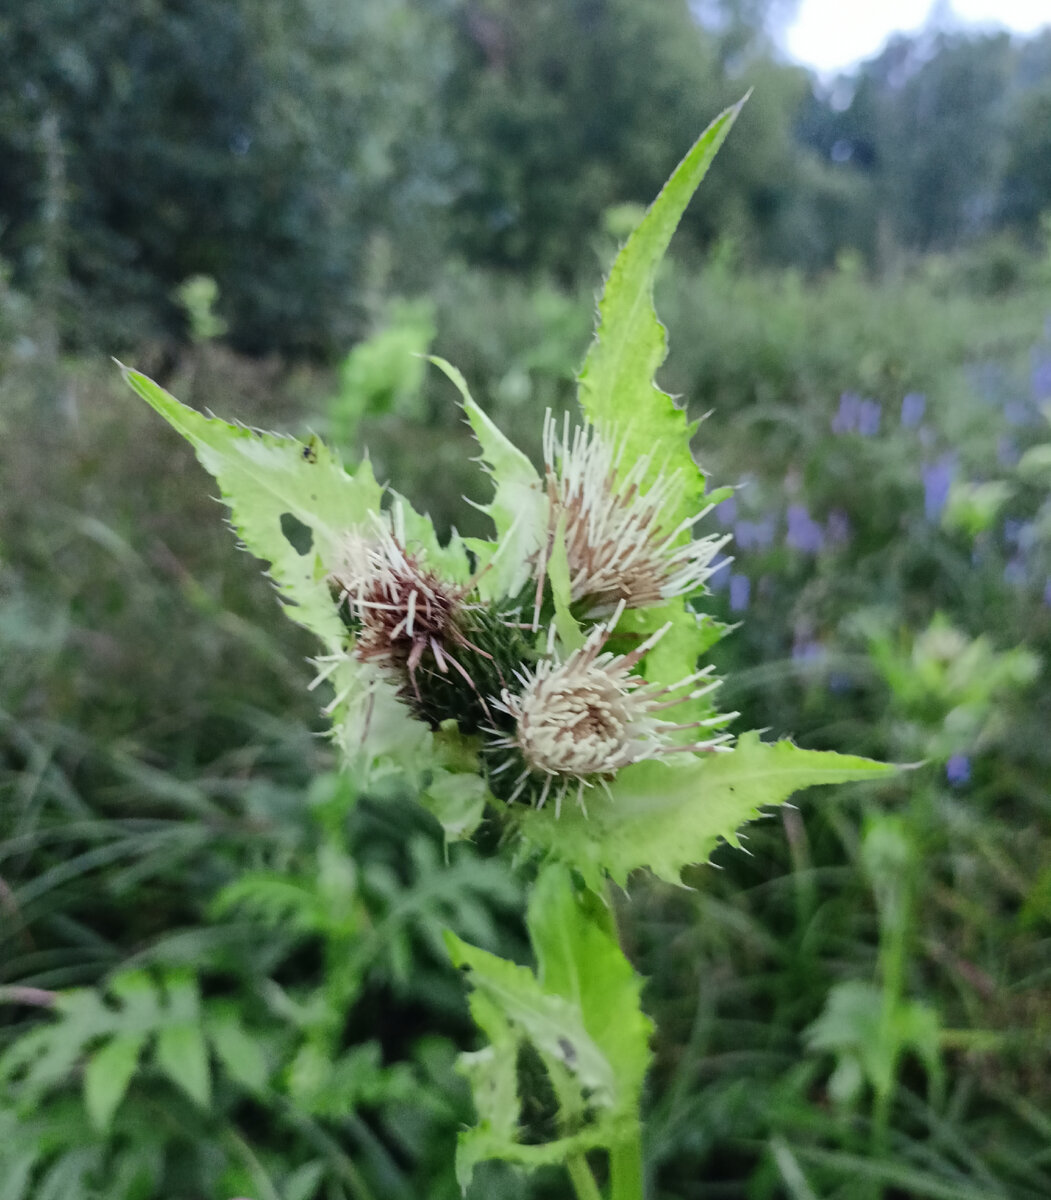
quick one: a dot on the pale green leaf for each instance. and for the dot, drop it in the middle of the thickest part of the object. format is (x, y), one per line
(107, 1075)
(617, 389)
(552, 1023)
(578, 958)
(1035, 464)
(305, 1182)
(265, 478)
(580, 1012)
(181, 1053)
(518, 508)
(666, 815)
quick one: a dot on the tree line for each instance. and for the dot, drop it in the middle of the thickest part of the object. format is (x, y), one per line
(310, 155)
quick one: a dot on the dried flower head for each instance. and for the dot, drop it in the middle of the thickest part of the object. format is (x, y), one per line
(578, 721)
(618, 541)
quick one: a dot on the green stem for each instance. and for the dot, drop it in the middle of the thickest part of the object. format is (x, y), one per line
(625, 1158)
(625, 1167)
(583, 1181)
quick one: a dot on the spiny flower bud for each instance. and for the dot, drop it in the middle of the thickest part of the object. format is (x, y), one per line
(398, 609)
(444, 654)
(618, 542)
(580, 720)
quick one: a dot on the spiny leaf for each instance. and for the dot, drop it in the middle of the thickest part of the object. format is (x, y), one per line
(552, 1023)
(668, 815)
(518, 508)
(267, 479)
(264, 478)
(580, 1011)
(578, 957)
(617, 391)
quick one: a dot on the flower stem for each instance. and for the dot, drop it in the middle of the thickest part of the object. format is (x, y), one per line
(583, 1181)
(627, 1181)
(625, 1166)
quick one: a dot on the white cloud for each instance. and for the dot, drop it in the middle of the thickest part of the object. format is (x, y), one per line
(831, 34)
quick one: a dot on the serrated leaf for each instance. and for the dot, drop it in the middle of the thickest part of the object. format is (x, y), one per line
(578, 957)
(264, 477)
(181, 1053)
(584, 997)
(518, 508)
(553, 1024)
(107, 1075)
(617, 389)
(667, 815)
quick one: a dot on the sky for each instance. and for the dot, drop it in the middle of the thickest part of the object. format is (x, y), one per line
(830, 35)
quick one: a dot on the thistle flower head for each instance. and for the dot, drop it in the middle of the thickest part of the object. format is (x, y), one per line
(444, 651)
(578, 721)
(619, 543)
(398, 608)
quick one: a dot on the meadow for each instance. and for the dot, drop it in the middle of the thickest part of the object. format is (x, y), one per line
(221, 964)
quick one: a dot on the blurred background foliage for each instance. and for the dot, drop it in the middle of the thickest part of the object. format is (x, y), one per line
(219, 969)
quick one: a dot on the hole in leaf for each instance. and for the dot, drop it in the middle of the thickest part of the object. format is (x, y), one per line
(539, 1102)
(299, 536)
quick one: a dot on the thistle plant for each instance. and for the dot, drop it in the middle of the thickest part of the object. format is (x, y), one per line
(548, 679)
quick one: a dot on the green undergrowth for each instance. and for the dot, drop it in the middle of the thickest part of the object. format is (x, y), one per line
(854, 1004)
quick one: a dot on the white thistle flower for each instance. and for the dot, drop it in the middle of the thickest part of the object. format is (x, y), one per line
(618, 542)
(579, 721)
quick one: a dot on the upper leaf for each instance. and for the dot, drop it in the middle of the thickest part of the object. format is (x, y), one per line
(518, 509)
(669, 815)
(617, 389)
(265, 478)
(276, 484)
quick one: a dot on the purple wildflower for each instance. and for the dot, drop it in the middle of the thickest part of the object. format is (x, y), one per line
(937, 480)
(1015, 572)
(1007, 453)
(755, 535)
(958, 770)
(804, 533)
(807, 650)
(719, 578)
(726, 513)
(838, 527)
(839, 683)
(740, 592)
(1016, 412)
(846, 419)
(913, 406)
(1041, 377)
(870, 413)
(1013, 530)
(856, 415)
